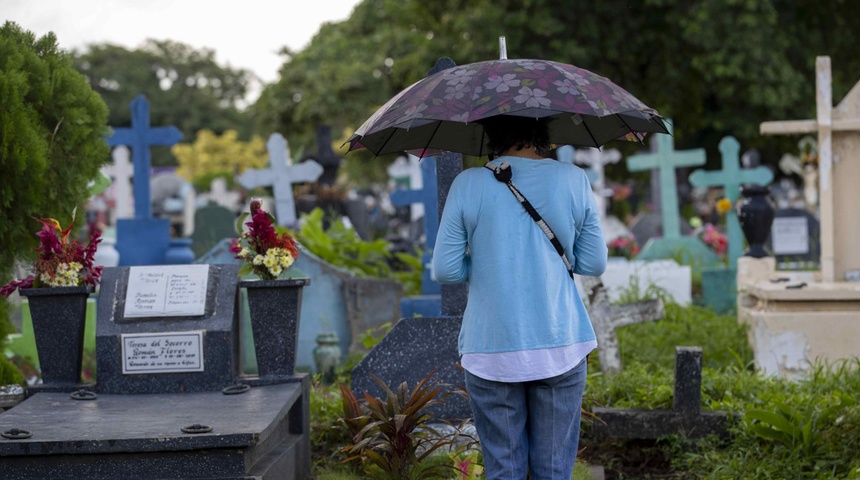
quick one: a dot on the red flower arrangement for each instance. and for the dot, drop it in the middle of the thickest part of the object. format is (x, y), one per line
(712, 236)
(62, 262)
(267, 250)
(623, 247)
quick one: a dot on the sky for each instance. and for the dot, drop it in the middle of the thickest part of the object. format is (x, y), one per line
(245, 34)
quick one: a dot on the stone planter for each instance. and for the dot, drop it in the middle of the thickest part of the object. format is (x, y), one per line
(275, 308)
(59, 316)
(755, 213)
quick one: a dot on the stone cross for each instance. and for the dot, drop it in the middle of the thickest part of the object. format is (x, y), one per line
(426, 196)
(596, 159)
(730, 178)
(685, 418)
(140, 137)
(838, 140)
(666, 159)
(219, 194)
(281, 175)
(606, 317)
(121, 172)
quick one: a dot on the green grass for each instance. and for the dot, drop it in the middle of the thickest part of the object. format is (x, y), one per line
(807, 429)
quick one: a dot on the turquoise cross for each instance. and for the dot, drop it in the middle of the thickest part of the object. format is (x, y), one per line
(731, 177)
(666, 159)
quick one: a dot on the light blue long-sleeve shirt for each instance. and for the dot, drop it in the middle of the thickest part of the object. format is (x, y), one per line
(520, 294)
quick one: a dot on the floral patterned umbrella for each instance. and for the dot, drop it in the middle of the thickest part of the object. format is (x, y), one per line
(439, 113)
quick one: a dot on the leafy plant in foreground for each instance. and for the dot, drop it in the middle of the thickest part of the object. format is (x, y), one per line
(392, 437)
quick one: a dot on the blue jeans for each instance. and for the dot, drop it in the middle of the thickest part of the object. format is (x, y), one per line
(529, 426)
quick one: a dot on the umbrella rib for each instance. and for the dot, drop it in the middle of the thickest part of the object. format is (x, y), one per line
(627, 126)
(594, 140)
(379, 151)
(430, 139)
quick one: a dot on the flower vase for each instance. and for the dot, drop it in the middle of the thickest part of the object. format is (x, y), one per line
(179, 252)
(275, 309)
(59, 316)
(755, 213)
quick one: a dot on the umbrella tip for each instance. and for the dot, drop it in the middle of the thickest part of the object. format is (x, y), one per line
(503, 49)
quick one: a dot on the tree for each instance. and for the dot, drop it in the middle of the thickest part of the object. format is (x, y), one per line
(212, 156)
(52, 128)
(716, 67)
(186, 88)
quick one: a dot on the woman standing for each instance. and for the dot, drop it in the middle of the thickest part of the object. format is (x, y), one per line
(525, 333)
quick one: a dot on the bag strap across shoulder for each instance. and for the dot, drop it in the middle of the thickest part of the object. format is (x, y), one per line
(504, 174)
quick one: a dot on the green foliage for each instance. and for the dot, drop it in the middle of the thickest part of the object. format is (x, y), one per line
(52, 128)
(715, 67)
(807, 429)
(9, 373)
(341, 247)
(212, 156)
(186, 87)
(392, 437)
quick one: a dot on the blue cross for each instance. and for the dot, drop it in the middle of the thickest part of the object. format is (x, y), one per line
(140, 137)
(427, 196)
(731, 177)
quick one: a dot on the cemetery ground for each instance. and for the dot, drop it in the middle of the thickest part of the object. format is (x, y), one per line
(778, 429)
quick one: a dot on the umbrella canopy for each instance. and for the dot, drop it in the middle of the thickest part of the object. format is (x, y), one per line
(441, 112)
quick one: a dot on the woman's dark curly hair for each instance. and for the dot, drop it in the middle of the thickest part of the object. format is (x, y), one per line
(506, 131)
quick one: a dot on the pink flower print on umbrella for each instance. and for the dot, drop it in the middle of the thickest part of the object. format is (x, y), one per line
(566, 86)
(532, 65)
(532, 97)
(460, 76)
(502, 83)
(583, 108)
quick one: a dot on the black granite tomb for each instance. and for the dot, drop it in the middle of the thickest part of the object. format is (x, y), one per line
(145, 420)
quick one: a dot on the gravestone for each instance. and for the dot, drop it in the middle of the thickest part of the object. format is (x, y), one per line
(280, 175)
(121, 172)
(147, 312)
(606, 318)
(685, 418)
(212, 224)
(166, 349)
(419, 345)
(665, 159)
(795, 239)
(142, 240)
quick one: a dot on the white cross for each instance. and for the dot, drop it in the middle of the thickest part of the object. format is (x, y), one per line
(846, 123)
(596, 159)
(281, 174)
(219, 194)
(121, 173)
